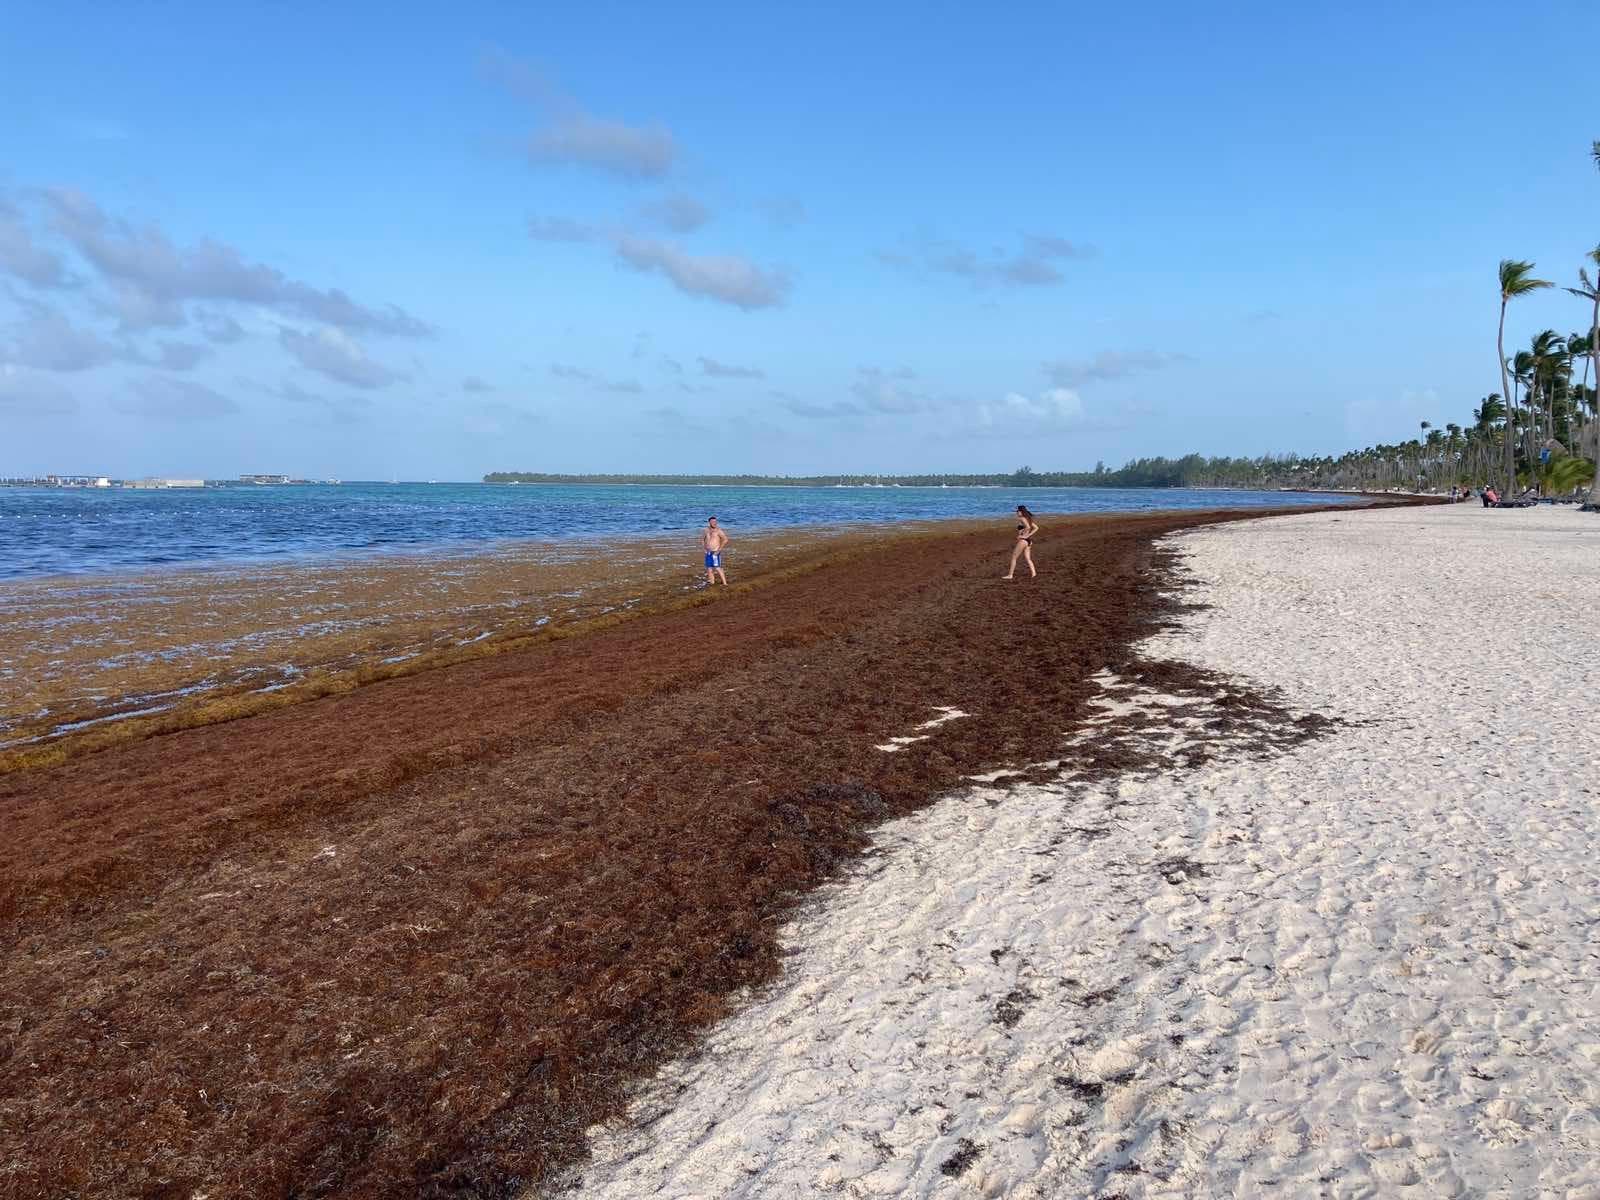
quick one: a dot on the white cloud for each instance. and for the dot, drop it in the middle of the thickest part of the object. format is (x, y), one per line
(577, 138)
(560, 229)
(678, 212)
(1033, 265)
(338, 356)
(183, 356)
(220, 328)
(152, 278)
(573, 136)
(722, 370)
(48, 341)
(1110, 364)
(341, 410)
(726, 278)
(885, 392)
(1057, 408)
(21, 256)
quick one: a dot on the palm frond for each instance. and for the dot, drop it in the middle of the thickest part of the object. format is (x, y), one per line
(1516, 278)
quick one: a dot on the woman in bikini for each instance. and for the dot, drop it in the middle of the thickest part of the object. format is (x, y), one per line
(1026, 528)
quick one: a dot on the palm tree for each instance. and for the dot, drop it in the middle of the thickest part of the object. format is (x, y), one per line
(1516, 279)
(1589, 289)
(1579, 345)
(1521, 365)
(1545, 355)
(1564, 475)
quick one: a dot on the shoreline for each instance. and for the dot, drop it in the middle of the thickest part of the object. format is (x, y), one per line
(188, 645)
(502, 530)
(171, 649)
(455, 914)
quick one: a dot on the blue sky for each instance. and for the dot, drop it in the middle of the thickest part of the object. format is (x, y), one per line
(374, 241)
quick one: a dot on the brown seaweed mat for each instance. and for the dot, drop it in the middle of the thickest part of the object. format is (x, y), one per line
(413, 939)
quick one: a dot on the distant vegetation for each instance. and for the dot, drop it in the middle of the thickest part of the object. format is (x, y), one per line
(1467, 454)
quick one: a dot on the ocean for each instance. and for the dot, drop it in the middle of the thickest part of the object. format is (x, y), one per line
(59, 531)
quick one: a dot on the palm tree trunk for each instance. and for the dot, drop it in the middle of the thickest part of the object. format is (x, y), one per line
(1505, 390)
(1594, 357)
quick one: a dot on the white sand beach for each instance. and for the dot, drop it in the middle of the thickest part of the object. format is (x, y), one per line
(1367, 965)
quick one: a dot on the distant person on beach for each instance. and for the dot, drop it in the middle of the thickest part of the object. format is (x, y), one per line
(713, 541)
(1026, 528)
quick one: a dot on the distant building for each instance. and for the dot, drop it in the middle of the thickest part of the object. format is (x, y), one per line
(266, 479)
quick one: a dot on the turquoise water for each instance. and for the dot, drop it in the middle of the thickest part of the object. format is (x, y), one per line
(77, 531)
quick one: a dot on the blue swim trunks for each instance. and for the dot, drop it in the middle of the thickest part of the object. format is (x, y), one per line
(713, 559)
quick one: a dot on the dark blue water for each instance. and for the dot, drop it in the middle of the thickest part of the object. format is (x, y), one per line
(60, 531)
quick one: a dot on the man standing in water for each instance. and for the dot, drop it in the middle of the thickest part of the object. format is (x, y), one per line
(712, 541)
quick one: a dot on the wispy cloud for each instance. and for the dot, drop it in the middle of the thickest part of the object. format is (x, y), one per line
(573, 136)
(631, 151)
(22, 256)
(670, 417)
(165, 398)
(782, 212)
(1034, 264)
(182, 356)
(595, 380)
(1110, 364)
(1055, 409)
(560, 229)
(728, 278)
(341, 410)
(878, 397)
(812, 410)
(874, 392)
(48, 341)
(220, 328)
(881, 391)
(722, 370)
(475, 386)
(332, 353)
(678, 213)
(152, 278)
